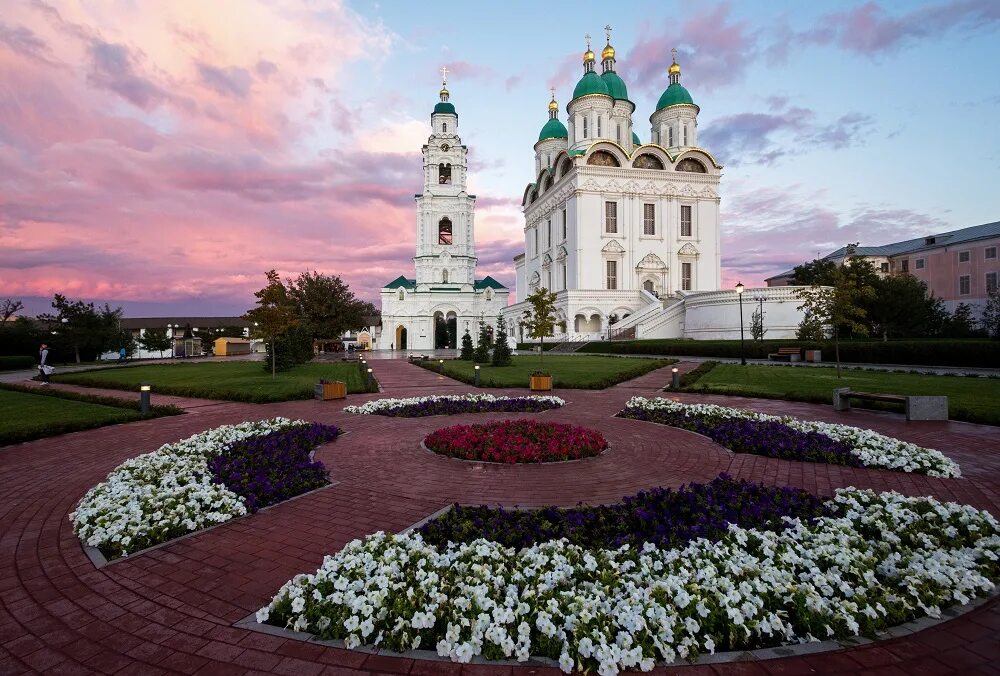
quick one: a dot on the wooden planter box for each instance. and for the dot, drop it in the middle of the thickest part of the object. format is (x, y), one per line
(541, 383)
(334, 390)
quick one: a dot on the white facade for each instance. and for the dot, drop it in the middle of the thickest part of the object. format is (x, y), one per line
(445, 288)
(627, 234)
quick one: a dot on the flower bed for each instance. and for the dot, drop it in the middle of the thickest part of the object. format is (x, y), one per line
(876, 561)
(516, 441)
(172, 491)
(662, 516)
(745, 431)
(415, 407)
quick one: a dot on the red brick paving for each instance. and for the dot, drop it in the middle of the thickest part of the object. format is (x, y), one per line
(171, 610)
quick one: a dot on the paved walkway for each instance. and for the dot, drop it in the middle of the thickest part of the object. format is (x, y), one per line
(173, 609)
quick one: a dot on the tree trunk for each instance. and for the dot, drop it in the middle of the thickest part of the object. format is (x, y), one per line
(274, 360)
(836, 348)
(76, 352)
(541, 353)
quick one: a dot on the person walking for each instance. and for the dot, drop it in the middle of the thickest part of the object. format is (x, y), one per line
(43, 366)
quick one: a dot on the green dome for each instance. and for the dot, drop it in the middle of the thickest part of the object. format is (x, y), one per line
(590, 83)
(553, 129)
(616, 86)
(445, 107)
(635, 139)
(673, 95)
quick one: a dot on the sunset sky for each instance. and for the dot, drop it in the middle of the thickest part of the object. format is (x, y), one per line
(163, 155)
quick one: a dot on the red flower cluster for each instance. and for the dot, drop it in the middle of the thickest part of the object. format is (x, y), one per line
(515, 441)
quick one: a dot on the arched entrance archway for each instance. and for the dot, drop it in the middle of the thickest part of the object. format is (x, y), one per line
(400, 337)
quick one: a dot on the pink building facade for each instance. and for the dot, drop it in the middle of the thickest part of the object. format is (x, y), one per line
(960, 266)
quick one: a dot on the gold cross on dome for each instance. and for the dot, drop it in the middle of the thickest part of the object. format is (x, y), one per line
(444, 74)
(553, 90)
(673, 53)
(587, 37)
(607, 31)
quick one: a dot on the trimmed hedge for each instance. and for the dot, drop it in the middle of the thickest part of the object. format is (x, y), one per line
(691, 377)
(971, 353)
(16, 363)
(530, 347)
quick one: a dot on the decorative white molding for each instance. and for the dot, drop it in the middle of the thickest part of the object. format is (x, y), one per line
(651, 262)
(688, 250)
(613, 247)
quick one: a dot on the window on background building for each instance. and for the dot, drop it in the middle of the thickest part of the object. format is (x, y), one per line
(402, 295)
(990, 253)
(611, 217)
(444, 276)
(444, 231)
(649, 219)
(919, 264)
(612, 280)
(564, 226)
(964, 257)
(964, 285)
(991, 282)
(884, 267)
(685, 220)
(685, 276)
(904, 265)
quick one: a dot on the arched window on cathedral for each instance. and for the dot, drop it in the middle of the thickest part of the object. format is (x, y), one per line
(402, 295)
(670, 137)
(444, 276)
(444, 127)
(618, 133)
(444, 231)
(444, 173)
(598, 126)
(685, 130)
(489, 294)
(584, 127)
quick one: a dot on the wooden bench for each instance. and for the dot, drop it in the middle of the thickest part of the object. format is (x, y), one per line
(786, 354)
(917, 407)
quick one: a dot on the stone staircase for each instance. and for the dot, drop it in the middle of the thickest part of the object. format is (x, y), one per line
(568, 346)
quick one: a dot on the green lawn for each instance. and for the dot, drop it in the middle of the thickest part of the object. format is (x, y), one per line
(25, 416)
(570, 372)
(971, 399)
(234, 381)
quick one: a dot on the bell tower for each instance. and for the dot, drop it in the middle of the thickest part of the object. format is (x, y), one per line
(446, 244)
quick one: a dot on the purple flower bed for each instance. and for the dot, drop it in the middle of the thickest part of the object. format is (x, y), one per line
(268, 469)
(452, 407)
(759, 437)
(662, 516)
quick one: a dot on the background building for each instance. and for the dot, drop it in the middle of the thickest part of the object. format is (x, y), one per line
(960, 266)
(444, 299)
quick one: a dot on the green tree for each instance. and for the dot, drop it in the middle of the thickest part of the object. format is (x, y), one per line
(274, 315)
(810, 328)
(540, 320)
(816, 272)
(8, 308)
(155, 340)
(962, 323)
(501, 348)
(467, 349)
(80, 326)
(325, 305)
(757, 329)
(481, 355)
(901, 308)
(841, 305)
(991, 315)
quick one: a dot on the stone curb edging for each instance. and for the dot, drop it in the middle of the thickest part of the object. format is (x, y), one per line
(792, 650)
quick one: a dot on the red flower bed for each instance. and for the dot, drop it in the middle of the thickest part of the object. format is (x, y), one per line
(514, 441)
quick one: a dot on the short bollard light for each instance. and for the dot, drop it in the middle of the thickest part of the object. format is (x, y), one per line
(440, 365)
(675, 379)
(369, 377)
(144, 399)
(477, 375)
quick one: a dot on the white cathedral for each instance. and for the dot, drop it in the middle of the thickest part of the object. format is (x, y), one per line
(626, 233)
(444, 300)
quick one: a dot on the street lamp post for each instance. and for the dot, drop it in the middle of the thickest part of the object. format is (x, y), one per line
(739, 294)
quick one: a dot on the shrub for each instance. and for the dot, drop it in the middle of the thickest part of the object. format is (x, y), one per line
(16, 363)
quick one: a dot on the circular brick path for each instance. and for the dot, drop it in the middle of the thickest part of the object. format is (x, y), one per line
(172, 609)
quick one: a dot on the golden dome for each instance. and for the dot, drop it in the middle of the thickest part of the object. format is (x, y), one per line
(444, 91)
(608, 53)
(674, 69)
(553, 105)
(588, 56)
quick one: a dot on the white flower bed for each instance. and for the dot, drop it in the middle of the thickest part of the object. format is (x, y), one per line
(378, 406)
(889, 558)
(160, 495)
(872, 448)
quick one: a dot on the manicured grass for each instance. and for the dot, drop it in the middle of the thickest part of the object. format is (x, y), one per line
(587, 372)
(969, 398)
(25, 416)
(234, 381)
